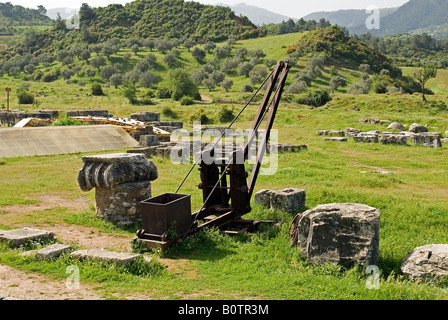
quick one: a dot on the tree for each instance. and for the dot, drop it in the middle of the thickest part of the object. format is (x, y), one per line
(86, 13)
(428, 71)
(336, 82)
(227, 84)
(98, 62)
(41, 10)
(130, 91)
(170, 60)
(183, 85)
(198, 54)
(107, 72)
(116, 80)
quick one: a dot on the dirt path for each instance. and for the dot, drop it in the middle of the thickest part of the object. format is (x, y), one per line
(31, 286)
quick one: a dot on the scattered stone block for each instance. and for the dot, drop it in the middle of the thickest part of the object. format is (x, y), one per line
(20, 237)
(149, 140)
(336, 139)
(338, 233)
(385, 122)
(118, 258)
(52, 252)
(428, 139)
(147, 151)
(323, 132)
(426, 262)
(366, 138)
(396, 126)
(416, 128)
(289, 200)
(352, 132)
(399, 139)
(336, 133)
(146, 116)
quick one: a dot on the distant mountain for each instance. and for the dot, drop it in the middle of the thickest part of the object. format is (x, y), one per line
(347, 18)
(415, 14)
(258, 16)
(64, 12)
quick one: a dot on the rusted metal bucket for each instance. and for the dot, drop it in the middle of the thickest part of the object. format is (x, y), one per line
(164, 213)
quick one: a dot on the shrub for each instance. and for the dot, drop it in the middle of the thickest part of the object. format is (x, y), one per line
(97, 90)
(169, 113)
(186, 101)
(25, 97)
(247, 88)
(315, 98)
(163, 93)
(67, 121)
(200, 115)
(226, 114)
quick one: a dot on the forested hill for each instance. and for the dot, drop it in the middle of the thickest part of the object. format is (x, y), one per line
(13, 15)
(142, 19)
(165, 19)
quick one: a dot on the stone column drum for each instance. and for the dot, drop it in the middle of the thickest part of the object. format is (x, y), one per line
(121, 182)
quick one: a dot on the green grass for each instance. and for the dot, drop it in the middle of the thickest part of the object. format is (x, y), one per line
(411, 198)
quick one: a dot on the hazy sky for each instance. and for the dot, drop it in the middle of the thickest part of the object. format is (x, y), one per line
(290, 8)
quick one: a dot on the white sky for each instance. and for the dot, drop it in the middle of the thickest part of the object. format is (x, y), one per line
(294, 9)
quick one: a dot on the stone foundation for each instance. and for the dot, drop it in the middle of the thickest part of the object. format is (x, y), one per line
(120, 203)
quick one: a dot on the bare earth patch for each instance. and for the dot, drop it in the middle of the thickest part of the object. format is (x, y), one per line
(30, 286)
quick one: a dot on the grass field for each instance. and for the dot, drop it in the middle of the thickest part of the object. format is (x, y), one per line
(406, 183)
(411, 198)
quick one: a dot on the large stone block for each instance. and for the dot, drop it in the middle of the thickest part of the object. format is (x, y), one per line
(426, 262)
(19, 237)
(149, 140)
(427, 139)
(118, 258)
(399, 139)
(364, 137)
(52, 252)
(289, 200)
(338, 233)
(416, 128)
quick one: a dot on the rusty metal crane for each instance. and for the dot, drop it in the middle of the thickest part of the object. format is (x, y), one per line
(226, 186)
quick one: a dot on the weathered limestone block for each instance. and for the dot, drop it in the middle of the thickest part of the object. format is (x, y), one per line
(338, 233)
(52, 252)
(146, 116)
(336, 139)
(416, 128)
(20, 237)
(289, 200)
(352, 132)
(399, 139)
(365, 137)
(121, 182)
(426, 262)
(118, 258)
(336, 133)
(149, 140)
(428, 139)
(396, 126)
(323, 132)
